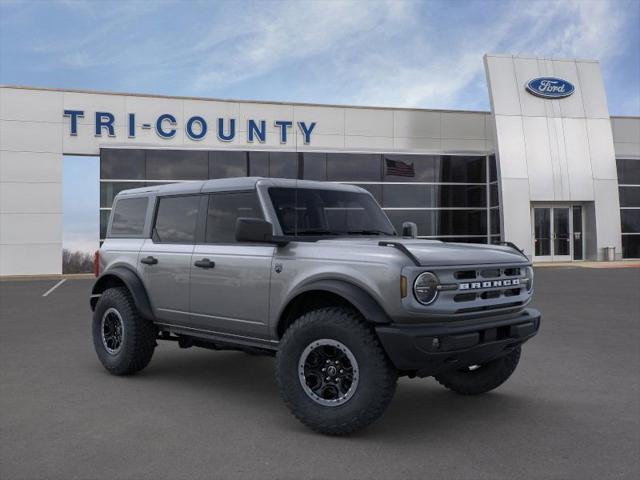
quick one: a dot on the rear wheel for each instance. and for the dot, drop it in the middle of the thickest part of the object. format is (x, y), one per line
(332, 372)
(123, 340)
(478, 379)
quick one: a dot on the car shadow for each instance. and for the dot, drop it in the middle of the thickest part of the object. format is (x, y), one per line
(420, 408)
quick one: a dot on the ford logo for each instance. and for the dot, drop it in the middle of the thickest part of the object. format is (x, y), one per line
(550, 87)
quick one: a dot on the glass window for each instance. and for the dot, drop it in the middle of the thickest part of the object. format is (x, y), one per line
(459, 222)
(433, 196)
(283, 164)
(109, 190)
(128, 217)
(410, 168)
(224, 209)
(327, 212)
(405, 196)
(495, 220)
(493, 168)
(227, 164)
(259, 164)
(104, 222)
(481, 239)
(459, 169)
(122, 164)
(630, 246)
(630, 221)
(353, 167)
(314, 166)
(442, 222)
(629, 196)
(628, 171)
(177, 165)
(470, 196)
(493, 195)
(176, 219)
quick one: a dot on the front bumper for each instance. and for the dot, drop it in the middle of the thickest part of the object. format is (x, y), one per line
(429, 349)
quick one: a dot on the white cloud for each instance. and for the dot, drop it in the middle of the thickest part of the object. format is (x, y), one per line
(276, 37)
(561, 29)
(387, 52)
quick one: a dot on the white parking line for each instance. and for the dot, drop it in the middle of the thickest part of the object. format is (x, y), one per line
(54, 287)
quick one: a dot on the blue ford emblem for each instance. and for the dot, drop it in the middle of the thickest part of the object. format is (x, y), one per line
(550, 87)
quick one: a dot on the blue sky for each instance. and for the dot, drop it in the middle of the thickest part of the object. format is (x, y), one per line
(391, 53)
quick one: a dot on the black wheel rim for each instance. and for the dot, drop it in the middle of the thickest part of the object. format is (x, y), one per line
(112, 331)
(328, 372)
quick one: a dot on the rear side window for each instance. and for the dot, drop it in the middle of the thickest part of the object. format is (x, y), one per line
(224, 209)
(128, 217)
(176, 219)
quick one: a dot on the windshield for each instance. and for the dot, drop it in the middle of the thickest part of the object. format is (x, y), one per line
(306, 211)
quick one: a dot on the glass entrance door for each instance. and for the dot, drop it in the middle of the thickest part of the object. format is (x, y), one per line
(561, 234)
(542, 233)
(557, 233)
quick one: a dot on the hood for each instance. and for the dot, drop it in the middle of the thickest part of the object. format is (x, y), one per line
(437, 253)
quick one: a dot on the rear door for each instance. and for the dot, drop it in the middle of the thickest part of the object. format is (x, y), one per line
(166, 257)
(230, 280)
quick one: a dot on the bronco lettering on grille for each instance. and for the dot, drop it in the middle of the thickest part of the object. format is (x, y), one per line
(489, 284)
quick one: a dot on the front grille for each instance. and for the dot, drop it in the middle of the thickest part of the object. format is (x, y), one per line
(478, 290)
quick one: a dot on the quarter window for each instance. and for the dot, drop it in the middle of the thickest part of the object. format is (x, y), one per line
(128, 217)
(176, 219)
(224, 209)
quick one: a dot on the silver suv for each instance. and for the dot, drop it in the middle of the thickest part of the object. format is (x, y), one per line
(315, 274)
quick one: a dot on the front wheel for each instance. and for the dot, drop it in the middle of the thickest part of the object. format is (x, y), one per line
(332, 372)
(478, 379)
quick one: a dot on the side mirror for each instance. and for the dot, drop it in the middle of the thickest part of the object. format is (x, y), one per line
(256, 230)
(409, 229)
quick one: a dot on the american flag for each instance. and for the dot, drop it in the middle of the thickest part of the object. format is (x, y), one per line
(399, 168)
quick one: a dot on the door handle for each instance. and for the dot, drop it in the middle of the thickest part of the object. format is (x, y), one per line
(204, 263)
(149, 260)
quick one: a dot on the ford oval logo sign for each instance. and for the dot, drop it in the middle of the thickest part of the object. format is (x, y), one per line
(550, 87)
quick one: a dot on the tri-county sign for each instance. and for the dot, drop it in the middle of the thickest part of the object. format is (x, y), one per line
(550, 87)
(196, 127)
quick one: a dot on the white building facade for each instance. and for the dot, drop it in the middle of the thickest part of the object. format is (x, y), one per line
(547, 168)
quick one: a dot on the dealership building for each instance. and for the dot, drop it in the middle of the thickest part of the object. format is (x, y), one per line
(547, 168)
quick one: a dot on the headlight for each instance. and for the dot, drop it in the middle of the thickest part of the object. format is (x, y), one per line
(425, 288)
(529, 275)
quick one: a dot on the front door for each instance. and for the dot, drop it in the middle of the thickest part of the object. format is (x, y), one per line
(557, 233)
(230, 280)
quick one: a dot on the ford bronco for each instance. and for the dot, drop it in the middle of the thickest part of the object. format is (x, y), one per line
(316, 275)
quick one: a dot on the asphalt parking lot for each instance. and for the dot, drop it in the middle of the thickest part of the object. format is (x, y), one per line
(571, 410)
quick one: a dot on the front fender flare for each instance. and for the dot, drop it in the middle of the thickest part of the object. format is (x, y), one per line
(359, 298)
(133, 283)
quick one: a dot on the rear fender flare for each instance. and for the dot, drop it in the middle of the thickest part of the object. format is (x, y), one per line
(133, 283)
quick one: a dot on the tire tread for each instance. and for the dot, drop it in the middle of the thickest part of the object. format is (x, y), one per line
(140, 334)
(340, 316)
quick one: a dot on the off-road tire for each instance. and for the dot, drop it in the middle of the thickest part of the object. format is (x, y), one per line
(377, 376)
(139, 338)
(489, 376)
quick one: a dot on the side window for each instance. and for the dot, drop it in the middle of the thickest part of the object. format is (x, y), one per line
(128, 217)
(176, 219)
(224, 210)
